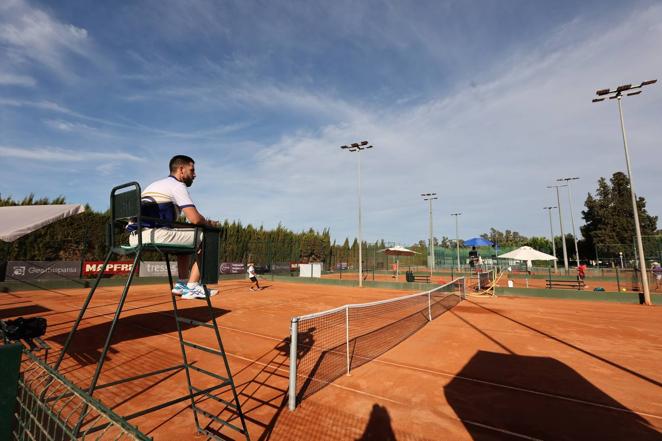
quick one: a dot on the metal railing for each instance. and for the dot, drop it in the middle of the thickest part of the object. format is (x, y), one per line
(51, 408)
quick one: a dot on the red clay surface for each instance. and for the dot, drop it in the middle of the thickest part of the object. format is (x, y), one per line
(489, 369)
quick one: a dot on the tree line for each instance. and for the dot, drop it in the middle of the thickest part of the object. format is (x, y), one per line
(607, 215)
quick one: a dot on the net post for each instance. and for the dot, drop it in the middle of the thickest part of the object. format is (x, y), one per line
(347, 336)
(464, 288)
(292, 395)
(430, 305)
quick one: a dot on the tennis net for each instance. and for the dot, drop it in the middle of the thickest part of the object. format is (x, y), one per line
(328, 344)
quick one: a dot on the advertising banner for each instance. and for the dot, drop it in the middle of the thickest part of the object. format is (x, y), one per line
(93, 267)
(156, 269)
(232, 268)
(342, 266)
(40, 270)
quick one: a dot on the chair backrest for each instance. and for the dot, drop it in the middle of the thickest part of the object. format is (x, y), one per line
(124, 206)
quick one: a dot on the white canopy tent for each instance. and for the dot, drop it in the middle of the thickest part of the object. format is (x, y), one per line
(398, 251)
(528, 254)
(17, 221)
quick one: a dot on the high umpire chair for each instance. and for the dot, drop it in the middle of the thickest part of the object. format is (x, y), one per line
(125, 206)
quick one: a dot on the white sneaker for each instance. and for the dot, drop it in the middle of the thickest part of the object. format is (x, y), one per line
(180, 288)
(197, 293)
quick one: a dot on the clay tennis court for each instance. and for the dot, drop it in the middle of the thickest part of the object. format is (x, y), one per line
(490, 368)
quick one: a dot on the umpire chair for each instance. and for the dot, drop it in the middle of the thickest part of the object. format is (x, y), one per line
(125, 207)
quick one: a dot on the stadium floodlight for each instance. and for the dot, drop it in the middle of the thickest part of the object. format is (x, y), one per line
(618, 95)
(551, 235)
(558, 204)
(357, 147)
(457, 240)
(572, 216)
(430, 197)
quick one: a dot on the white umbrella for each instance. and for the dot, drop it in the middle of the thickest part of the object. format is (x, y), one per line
(528, 254)
(398, 251)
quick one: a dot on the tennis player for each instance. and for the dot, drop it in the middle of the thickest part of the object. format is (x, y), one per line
(252, 275)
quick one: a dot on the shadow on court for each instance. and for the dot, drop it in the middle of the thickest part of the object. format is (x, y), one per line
(379, 426)
(524, 395)
(316, 422)
(89, 340)
(22, 310)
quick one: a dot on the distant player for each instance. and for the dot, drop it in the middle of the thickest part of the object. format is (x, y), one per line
(252, 276)
(657, 272)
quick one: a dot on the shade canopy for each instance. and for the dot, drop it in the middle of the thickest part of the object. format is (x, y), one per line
(398, 251)
(17, 221)
(526, 253)
(477, 242)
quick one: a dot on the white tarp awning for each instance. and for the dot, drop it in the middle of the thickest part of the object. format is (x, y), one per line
(398, 251)
(526, 253)
(20, 220)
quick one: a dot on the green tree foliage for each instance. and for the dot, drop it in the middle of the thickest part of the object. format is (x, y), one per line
(609, 217)
(505, 239)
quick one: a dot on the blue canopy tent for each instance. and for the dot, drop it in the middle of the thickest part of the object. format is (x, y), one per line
(477, 242)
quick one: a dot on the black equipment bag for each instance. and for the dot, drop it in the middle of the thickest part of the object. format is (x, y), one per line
(23, 328)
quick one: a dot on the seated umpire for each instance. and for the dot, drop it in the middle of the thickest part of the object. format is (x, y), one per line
(166, 199)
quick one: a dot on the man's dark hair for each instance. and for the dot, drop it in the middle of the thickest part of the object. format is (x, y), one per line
(178, 161)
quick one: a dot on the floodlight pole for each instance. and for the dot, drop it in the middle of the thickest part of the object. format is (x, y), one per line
(430, 197)
(618, 95)
(558, 203)
(551, 232)
(357, 147)
(457, 240)
(572, 216)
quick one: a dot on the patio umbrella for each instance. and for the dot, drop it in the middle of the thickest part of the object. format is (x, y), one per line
(398, 251)
(528, 254)
(477, 242)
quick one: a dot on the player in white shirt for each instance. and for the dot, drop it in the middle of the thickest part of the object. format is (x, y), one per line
(252, 275)
(166, 199)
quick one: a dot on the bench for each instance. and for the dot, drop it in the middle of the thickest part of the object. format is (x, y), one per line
(561, 283)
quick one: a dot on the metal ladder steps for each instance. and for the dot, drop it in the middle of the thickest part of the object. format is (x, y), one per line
(205, 392)
(194, 322)
(202, 348)
(218, 420)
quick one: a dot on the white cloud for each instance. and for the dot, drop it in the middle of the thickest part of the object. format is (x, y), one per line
(63, 155)
(31, 35)
(9, 79)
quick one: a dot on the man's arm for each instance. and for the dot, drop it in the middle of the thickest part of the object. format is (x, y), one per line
(194, 216)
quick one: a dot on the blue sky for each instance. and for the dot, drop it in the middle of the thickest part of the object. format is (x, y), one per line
(483, 102)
